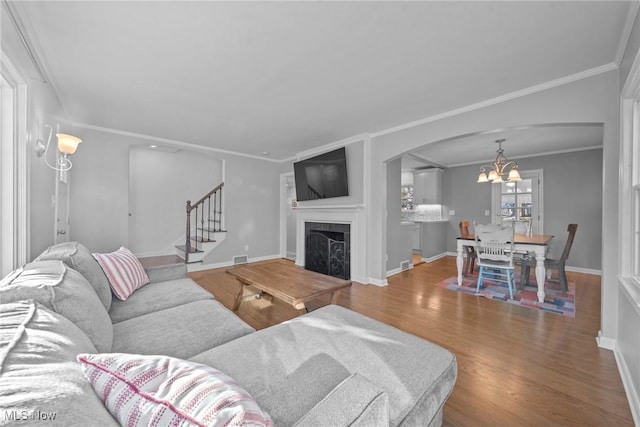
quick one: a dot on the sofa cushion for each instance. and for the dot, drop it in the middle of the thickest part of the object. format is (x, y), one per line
(39, 374)
(123, 270)
(417, 375)
(78, 257)
(302, 388)
(182, 331)
(157, 296)
(65, 291)
(160, 390)
(354, 402)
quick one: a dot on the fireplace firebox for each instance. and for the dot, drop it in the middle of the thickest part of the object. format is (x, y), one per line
(327, 249)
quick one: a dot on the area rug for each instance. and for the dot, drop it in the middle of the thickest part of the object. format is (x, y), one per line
(554, 301)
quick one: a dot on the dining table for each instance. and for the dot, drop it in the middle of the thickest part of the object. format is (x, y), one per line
(525, 243)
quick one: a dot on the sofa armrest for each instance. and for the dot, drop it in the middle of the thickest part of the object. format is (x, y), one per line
(354, 402)
(162, 273)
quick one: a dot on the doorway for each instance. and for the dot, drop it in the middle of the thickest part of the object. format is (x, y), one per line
(288, 216)
(14, 209)
(520, 202)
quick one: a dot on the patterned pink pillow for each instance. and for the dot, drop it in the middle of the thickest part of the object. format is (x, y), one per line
(160, 391)
(124, 271)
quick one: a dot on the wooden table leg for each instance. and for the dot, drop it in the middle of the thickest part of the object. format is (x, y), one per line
(459, 262)
(334, 297)
(238, 300)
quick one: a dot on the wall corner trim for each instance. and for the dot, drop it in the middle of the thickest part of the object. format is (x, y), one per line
(627, 382)
(604, 342)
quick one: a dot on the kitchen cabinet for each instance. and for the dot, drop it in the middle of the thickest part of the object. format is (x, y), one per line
(426, 187)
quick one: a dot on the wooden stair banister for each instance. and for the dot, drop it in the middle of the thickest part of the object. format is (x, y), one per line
(213, 225)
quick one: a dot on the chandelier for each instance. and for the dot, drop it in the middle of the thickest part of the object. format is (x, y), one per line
(496, 172)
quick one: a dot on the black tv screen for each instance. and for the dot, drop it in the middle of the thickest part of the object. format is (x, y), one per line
(322, 176)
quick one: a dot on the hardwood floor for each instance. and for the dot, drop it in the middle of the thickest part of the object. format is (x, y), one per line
(516, 366)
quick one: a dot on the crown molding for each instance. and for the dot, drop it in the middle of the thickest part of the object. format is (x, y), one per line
(503, 98)
(626, 31)
(19, 26)
(172, 142)
(328, 147)
(547, 153)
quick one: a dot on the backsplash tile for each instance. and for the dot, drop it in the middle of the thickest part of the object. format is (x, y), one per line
(428, 213)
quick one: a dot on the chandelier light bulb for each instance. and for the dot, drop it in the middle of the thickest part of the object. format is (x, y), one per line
(499, 167)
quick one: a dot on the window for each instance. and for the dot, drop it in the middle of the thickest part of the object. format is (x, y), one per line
(629, 197)
(519, 202)
(515, 200)
(635, 193)
(406, 197)
(636, 235)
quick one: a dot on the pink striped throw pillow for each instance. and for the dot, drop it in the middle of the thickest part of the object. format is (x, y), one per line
(161, 391)
(123, 270)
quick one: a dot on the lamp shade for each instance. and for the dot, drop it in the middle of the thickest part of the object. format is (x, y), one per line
(67, 144)
(493, 175)
(483, 177)
(514, 175)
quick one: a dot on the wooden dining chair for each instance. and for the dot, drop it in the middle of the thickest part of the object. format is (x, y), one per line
(469, 251)
(494, 247)
(522, 227)
(557, 264)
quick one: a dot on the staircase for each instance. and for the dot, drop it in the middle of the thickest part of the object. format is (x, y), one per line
(203, 231)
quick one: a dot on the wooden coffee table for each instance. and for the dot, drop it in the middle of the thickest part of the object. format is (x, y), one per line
(287, 282)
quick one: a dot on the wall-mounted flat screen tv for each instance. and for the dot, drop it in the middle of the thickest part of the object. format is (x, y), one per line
(322, 176)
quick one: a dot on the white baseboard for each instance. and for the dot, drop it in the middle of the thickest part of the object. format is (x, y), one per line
(583, 270)
(377, 282)
(398, 270)
(627, 382)
(604, 342)
(435, 257)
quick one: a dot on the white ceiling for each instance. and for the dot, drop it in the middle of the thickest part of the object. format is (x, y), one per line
(285, 77)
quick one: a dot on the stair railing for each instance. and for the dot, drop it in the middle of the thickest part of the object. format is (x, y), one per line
(213, 220)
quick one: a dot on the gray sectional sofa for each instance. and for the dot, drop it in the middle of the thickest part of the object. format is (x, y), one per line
(330, 367)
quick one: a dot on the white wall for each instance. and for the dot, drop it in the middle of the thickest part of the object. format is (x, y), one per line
(160, 183)
(399, 247)
(99, 187)
(252, 208)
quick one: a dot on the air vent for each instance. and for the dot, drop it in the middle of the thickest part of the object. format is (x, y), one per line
(242, 259)
(404, 265)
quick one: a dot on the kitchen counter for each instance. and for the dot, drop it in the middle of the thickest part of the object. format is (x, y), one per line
(431, 221)
(433, 239)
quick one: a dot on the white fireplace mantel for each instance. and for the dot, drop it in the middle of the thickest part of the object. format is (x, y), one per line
(352, 215)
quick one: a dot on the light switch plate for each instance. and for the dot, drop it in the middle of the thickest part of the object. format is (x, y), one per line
(487, 213)
(452, 213)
